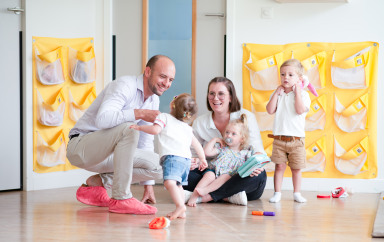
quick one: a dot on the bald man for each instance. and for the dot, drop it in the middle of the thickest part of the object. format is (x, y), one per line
(102, 142)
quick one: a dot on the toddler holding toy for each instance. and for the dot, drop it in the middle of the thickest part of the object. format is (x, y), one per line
(175, 137)
(230, 155)
(290, 105)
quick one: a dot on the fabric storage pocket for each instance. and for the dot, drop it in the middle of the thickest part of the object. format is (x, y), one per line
(315, 156)
(353, 161)
(76, 110)
(353, 72)
(82, 65)
(315, 69)
(49, 68)
(264, 73)
(316, 116)
(50, 114)
(264, 119)
(354, 117)
(270, 167)
(53, 154)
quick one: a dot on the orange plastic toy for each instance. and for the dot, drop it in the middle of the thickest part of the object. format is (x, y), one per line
(159, 223)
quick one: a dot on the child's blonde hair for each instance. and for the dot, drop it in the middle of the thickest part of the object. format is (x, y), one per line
(242, 123)
(184, 108)
(296, 64)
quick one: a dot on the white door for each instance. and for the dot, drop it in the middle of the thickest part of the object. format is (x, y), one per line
(10, 136)
(210, 33)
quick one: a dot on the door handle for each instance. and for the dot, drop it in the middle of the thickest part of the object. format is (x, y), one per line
(16, 10)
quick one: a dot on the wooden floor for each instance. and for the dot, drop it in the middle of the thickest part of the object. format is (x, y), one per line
(56, 215)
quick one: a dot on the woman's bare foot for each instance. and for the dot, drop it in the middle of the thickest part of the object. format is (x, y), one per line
(95, 181)
(192, 200)
(178, 213)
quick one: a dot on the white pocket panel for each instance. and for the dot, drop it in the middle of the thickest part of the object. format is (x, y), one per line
(316, 163)
(351, 162)
(350, 73)
(82, 66)
(316, 121)
(314, 68)
(347, 119)
(264, 119)
(50, 115)
(315, 156)
(316, 117)
(270, 167)
(48, 67)
(264, 74)
(50, 155)
(76, 110)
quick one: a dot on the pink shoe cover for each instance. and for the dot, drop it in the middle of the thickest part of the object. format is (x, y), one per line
(95, 196)
(131, 206)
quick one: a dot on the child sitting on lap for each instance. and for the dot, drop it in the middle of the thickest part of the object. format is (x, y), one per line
(230, 155)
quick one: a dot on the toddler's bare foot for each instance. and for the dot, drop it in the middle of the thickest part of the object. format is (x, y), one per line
(178, 213)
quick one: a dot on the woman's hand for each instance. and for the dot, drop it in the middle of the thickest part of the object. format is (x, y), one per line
(221, 142)
(194, 163)
(203, 165)
(256, 172)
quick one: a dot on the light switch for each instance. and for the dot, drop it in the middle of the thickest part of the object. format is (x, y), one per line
(267, 12)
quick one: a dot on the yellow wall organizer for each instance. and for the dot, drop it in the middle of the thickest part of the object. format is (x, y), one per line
(64, 73)
(342, 123)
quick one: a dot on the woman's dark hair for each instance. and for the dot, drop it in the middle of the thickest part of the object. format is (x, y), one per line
(234, 104)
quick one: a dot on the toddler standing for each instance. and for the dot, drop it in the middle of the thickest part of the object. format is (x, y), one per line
(290, 104)
(175, 137)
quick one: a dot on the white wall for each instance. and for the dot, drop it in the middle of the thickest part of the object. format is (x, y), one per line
(358, 20)
(60, 19)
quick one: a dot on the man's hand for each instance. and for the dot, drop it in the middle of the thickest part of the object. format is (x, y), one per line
(135, 126)
(146, 114)
(149, 195)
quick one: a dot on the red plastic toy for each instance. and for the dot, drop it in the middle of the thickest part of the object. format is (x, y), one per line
(159, 223)
(338, 192)
(323, 196)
